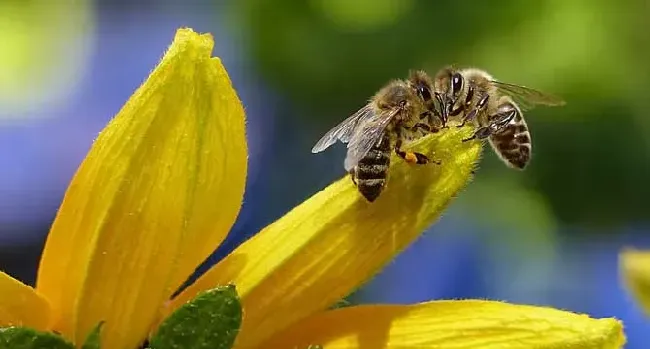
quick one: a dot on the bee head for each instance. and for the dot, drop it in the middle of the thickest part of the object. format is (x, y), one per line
(396, 96)
(422, 85)
(448, 87)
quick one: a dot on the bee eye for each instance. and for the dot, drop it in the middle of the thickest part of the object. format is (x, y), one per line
(424, 92)
(456, 83)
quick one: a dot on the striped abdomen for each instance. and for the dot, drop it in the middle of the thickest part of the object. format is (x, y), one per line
(513, 144)
(371, 173)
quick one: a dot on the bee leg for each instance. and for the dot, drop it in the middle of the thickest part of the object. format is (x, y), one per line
(442, 113)
(480, 133)
(352, 176)
(413, 157)
(427, 123)
(480, 106)
(457, 111)
(468, 116)
(498, 123)
(468, 102)
(425, 128)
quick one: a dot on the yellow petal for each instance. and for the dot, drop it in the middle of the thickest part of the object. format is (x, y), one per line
(452, 324)
(635, 269)
(158, 191)
(20, 305)
(326, 247)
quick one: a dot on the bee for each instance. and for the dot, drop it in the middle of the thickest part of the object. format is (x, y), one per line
(474, 96)
(402, 111)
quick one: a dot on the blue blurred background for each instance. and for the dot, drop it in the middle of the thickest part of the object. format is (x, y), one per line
(549, 235)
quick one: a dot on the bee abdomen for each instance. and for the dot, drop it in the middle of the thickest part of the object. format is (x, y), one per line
(371, 180)
(375, 162)
(371, 173)
(371, 188)
(519, 158)
(513, 148)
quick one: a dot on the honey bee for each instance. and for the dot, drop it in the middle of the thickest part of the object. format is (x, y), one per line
(475, 97)
(402, 111)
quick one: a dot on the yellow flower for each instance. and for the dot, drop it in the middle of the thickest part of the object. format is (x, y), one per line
(162, 186)
(635, 269)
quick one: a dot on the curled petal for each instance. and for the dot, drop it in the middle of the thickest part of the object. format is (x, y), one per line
(463, 324)
(333, 242)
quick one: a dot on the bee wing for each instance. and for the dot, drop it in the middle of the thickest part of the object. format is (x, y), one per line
(528, 97)
(366, 136)
(344, 130)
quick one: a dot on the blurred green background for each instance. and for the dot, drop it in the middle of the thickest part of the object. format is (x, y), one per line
(547, 235)
(590, 157)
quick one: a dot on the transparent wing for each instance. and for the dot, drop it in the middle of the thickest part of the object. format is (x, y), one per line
(367, 135)
(527, 97)
(344, 130)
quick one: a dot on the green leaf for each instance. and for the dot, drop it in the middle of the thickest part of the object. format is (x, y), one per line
(93, 341)
(27, 338)
(210, 321)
